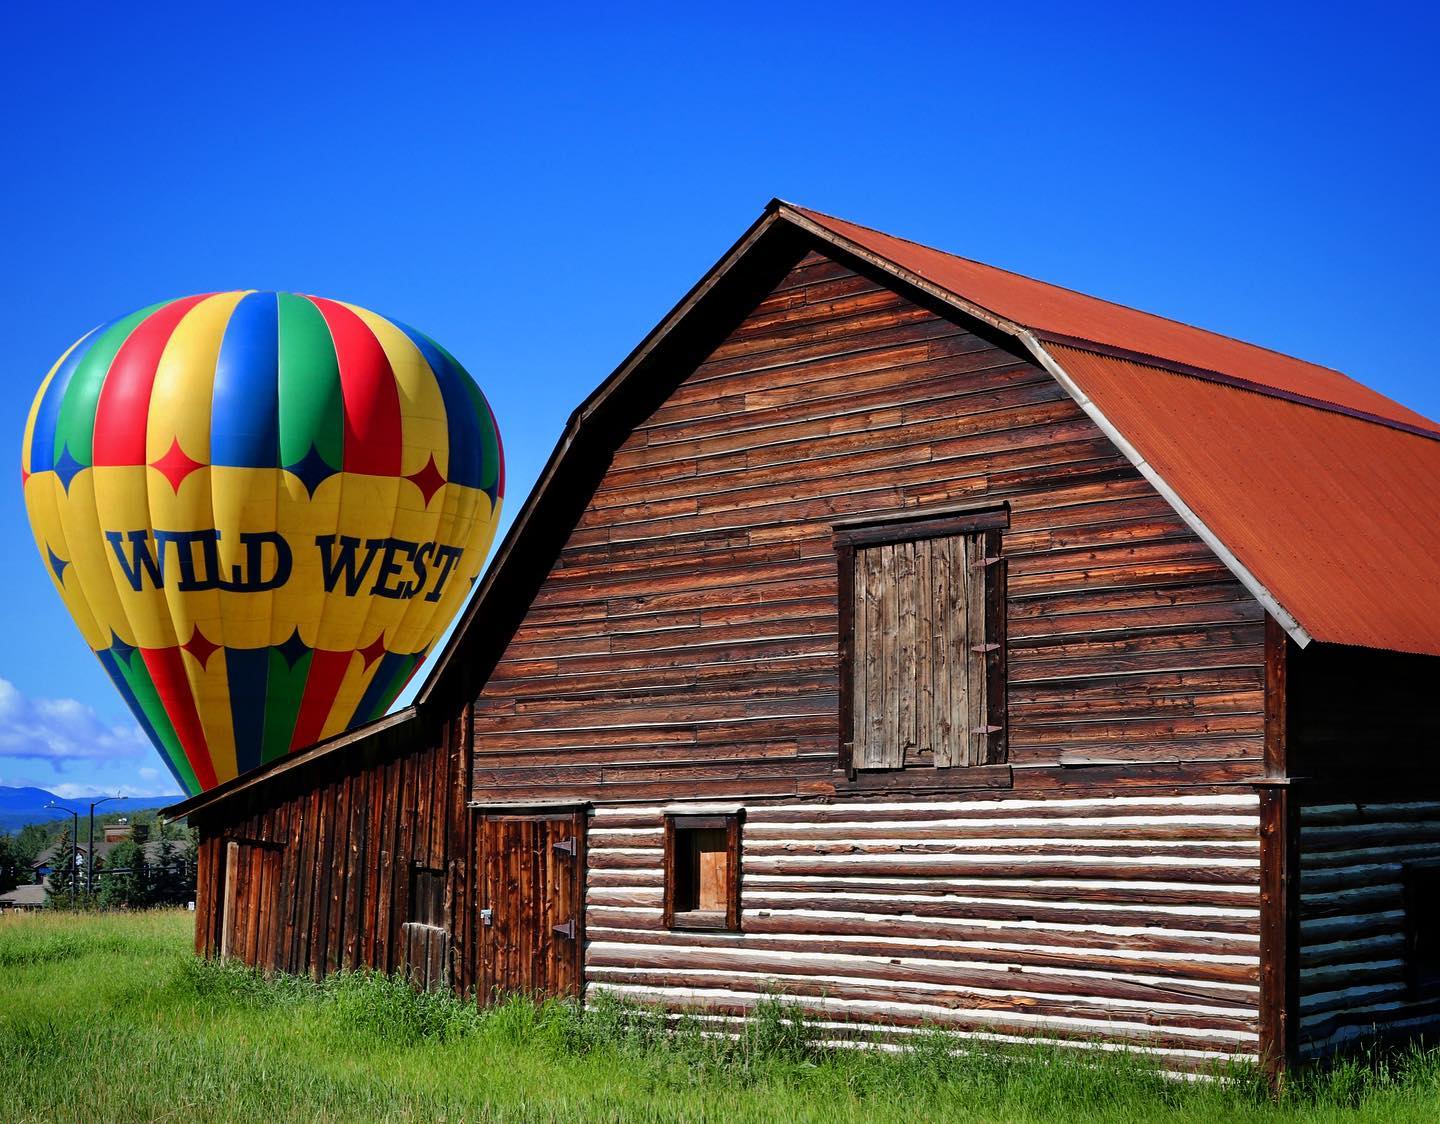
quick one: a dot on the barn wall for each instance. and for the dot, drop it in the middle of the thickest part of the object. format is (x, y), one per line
(686, 638)
(1352, 918)
(349, 831)
(1120, 918)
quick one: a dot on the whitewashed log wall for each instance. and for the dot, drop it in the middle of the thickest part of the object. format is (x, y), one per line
(1352, 919)
(1124, 920)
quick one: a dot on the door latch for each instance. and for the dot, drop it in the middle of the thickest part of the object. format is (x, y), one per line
(487, 917)
(567, 929)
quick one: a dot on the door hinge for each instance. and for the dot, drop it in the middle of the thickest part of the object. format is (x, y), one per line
(984, 647)
(988, 560)
(986, 730)
(567, 929)
(565, 846)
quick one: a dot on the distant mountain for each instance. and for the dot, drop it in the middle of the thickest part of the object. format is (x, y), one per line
(19, 806)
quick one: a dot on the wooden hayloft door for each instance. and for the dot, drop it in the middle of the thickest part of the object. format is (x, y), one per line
(532, 889)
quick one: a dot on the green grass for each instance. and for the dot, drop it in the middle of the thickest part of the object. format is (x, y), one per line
(110, 1017)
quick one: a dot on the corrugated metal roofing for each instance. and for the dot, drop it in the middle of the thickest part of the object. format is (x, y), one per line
(1052, 309)
(1336, 516)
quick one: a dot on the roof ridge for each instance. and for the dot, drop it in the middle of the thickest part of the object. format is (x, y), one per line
(1222, 378)
(1075, 292)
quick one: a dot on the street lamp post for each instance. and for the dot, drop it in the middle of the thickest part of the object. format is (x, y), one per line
(90, 858)
(74, 846)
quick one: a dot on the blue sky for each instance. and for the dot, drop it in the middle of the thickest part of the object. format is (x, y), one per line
(535, 186)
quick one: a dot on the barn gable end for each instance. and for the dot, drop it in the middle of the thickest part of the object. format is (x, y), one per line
(688, 632)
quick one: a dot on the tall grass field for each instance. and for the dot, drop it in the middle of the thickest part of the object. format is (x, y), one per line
(110, 1017)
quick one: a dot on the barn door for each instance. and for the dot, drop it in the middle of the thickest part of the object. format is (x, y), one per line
(532, 887)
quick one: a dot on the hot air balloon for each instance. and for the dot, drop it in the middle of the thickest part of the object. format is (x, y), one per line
(261, 510)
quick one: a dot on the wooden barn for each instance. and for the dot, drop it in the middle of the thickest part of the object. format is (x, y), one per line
(927, 643)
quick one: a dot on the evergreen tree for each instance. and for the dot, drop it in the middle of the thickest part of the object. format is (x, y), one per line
(126, 883)
(65, 879)
(28, 844)
(11, 874)
(171, 885)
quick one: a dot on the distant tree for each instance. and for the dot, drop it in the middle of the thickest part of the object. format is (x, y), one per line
(28, 843)
(11, 871)
(127, 883)
(173, 882)
(65, 877)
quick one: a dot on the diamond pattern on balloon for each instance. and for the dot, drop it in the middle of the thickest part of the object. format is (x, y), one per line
(293, 650)
(428, 479)
(57, 565)
(122, 650)
(67, 467)
(176, 465)
(373, 652)
(312, 470)
(200, 646)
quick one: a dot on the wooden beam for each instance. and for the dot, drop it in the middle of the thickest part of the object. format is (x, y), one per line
(227, 912)
(1277, 653)
(1279, 930)
(1279, 872)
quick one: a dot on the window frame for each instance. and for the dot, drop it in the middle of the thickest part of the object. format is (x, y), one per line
(849, 537)
(420, 875)
(731, 823)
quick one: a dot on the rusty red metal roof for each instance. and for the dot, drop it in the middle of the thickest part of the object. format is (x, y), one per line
(1338, 517)
(1054, 310)
(1321, 494)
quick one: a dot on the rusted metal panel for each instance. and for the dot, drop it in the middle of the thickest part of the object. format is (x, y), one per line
(1064, 312)
(1337, 517)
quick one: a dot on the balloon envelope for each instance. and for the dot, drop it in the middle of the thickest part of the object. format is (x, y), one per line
(261, 509)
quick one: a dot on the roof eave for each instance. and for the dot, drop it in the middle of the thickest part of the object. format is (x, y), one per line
(282, 765)
(576, 425)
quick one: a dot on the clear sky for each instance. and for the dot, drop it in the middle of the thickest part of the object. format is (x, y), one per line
(535, 185)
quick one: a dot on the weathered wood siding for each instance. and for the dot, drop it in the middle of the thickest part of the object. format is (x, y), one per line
(1352, 919)
(1130, 919)
(685, 640)
(342, 838)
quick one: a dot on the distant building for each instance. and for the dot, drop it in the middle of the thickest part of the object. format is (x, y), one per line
(23, 898)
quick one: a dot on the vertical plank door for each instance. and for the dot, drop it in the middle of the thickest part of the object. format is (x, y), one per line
(532, 879)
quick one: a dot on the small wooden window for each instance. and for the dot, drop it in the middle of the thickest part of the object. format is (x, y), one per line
(427, 897)
(922, 606)
(702, 872)
(1422, 927)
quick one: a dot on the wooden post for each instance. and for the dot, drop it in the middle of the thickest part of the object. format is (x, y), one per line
(1279, 930)
(1279, 873)
(227, 912)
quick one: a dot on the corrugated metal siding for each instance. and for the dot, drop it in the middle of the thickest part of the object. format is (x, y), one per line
(1337, 517)
(1050, 308)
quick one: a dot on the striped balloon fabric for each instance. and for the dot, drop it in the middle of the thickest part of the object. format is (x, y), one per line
(261, 509)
